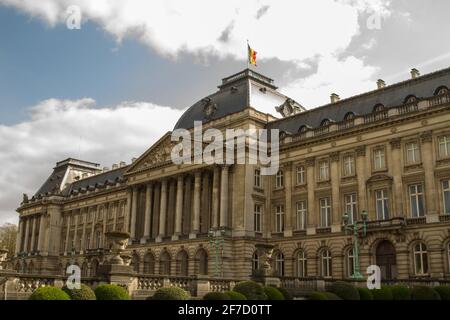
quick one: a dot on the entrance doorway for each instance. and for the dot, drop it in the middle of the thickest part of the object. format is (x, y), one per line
(386, 259)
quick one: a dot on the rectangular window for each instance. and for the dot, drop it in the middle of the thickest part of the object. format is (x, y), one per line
(444, 146)
(325, 212)
(351, 207)
(324, 171)
(416, 200)
(258, 178)
(379, 160)
(302, 211)
(412, 153)
(301, 175)
(279, 219)
(258, 214)
(349, 166)
(382, 204)
(279, 183)
(446, 195)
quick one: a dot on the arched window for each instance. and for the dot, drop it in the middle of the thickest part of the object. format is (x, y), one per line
(84, 270)
(325, 264)
(410, 99)
(94, 268)
(279, 183)
(441, 91)
(325, 122)
(349, 116)
(31, 267)
(201, 262)
(135, 262)
(301, 264)
(255, 261)
(420, 259)
(303, 129)
(98, 239)
(149, 263)
(164, 263)
(279, 264)
(378, 108)
(350, 262)
(182, 263)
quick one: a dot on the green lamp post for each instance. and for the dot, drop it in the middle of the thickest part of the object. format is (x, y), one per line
(355, 227)
(216, 241)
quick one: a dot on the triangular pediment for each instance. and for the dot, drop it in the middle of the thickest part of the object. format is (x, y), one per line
(379, 177)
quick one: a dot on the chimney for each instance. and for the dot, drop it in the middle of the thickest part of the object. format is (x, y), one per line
(115, 166)
(122, 164)
(381, 84)
(334, 98)
(415, 73)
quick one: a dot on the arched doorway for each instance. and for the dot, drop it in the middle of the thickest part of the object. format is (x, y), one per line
(386, 259)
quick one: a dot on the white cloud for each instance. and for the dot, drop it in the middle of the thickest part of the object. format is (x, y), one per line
(58, 129)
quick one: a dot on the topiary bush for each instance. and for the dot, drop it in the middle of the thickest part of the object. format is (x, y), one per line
(172, 293)
(384, 293)
(84, 293)
(444, 292)
(233, 295)
(316, 295)
(273, 293)
(111, 292)
(424, 293)
(344, 290)
(286, 294)
(49, 293)
(216, 296)
(365, 294)
(400, 292)
(332, 296)
(251, 290)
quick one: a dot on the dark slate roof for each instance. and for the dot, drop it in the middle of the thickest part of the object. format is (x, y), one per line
(394, 95)
(53, 182)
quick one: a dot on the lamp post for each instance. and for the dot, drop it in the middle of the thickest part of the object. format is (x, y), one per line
(216, 241)
(355, 227)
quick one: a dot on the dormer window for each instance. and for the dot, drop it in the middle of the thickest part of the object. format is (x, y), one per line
(410, 99)
(441, 91)
(325, 122)
(349, 116)
(378, 108)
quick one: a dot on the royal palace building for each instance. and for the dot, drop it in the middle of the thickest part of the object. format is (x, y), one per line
(384, 152)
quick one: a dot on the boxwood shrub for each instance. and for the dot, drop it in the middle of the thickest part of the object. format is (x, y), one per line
(400, 292)
(84, 293)
(365, 293)
(111, 292)
(273, 293)
(216, 296)
(172, 293)
(316, 295)
(384, 293)
(49, 293)
(233, 295)
(444, 292)
(332, 296)
(344, 290)
(424, 293)
(251, 290)
(287, 295)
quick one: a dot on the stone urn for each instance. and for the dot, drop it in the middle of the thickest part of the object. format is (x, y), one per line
(3, 255)
(266, 251)
(126, 259)
(117, 243)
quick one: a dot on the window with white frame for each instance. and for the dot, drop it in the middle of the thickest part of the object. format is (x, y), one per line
(351, 207)
(325, 212)
(446, 195)
(279, 218)
(349, 166)
(257, 181)
(350, 263)
(444, 146)
(379, 159)
(382, 204)
(255, 261)
(279, 183)
(257, 215)
(325, 259)
(301, 175)
(324, 171)
(301, 264)
(279, 264)
(301, 214)
(416, 200)
(420, 259)
(412, 152)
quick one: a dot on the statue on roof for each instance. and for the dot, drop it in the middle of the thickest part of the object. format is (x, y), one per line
(288, 108)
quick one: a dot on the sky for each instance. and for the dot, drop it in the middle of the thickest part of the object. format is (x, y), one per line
(107, 91)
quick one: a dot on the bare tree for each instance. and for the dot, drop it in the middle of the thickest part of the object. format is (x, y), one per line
(8, 234)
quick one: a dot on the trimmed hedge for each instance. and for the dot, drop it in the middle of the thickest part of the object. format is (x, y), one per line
(233, 295)
(287, 295)
(345, 290)
(384, 293)
(84, 293)
(216, 296)
(400, 292)
(444, 292)
(251, 290)
(273, 293)
(316, 295)
(172, 293)
(49, 293)
(424, 293)
(365, 294)
(332, 296)
(111, 292)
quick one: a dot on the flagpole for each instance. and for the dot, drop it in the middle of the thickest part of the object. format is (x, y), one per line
(248, 65)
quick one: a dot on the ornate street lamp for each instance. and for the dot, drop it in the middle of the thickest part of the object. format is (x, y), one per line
(216, 241)
(355, 227)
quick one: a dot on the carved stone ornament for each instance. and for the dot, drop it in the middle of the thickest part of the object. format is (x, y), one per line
(266, 257)
(288, 108)
(209, 108)
(117, 243)
(161, 154)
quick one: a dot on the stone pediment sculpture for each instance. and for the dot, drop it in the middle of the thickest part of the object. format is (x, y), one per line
(288, 108)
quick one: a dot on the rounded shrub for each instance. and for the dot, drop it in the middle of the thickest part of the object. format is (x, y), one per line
(286, 294)
(344, 290)
(384, 293)
(273, 293)
(401, 292)
(444, 292)
(215, 296)
(233, 295)
(251, 290)
(316, 295)
(172, 293)
(84, 293)
(424, 293)
(332, 296)
(49, 293)
(111, 292)
(365, 294)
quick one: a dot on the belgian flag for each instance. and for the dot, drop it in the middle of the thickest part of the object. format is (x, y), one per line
(251, 56)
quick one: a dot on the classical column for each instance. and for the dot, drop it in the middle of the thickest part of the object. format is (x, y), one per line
(105, 219)
(27, 235)
(75, 234)
(397, 175)
(311, 181)
(33, 234)
(148, 212)
(133, 213)
(116, 208)
(288, 226)
(127, 218)
(66, 245)
(335, 208)
(224, 197)
(428, 166)
(215, 197)
(41, 236)
(196, 219)
(187, 205)
(83, 236)
(178, 208)
(162, 211)
(361, 178)
(91, 240)
(19, 237)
